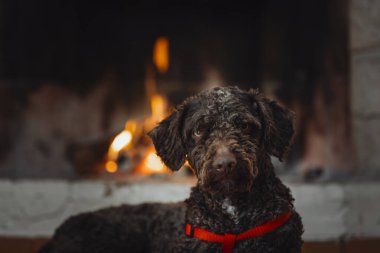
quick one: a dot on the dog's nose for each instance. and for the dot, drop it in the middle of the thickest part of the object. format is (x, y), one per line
(224, 160)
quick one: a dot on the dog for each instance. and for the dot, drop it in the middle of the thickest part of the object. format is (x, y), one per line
(228, 136)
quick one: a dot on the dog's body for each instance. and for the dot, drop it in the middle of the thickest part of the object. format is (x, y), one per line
(227, 135)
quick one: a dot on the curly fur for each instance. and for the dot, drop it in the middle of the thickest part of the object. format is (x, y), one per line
(252, 128)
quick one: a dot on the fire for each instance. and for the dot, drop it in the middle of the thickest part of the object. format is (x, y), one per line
(149, 162)
(161, 54)
(122, 141)
(158, 106)
(153, 162)
(111, 166)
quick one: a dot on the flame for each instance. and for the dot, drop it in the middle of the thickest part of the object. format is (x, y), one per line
(161, 54)
(151, 164)
(111, 166)
(158, 107)
(122, 141)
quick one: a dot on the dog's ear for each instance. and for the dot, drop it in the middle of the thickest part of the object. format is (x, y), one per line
(278, 125)
(167, 140)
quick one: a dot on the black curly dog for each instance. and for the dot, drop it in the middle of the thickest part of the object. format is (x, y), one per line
(227, 135)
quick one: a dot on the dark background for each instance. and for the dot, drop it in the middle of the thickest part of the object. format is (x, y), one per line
(76, 42)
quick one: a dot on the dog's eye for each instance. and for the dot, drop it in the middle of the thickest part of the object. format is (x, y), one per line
(198, 131)
(244, 126)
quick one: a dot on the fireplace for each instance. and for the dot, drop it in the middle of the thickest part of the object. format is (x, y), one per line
(83, 82)
(82, 110)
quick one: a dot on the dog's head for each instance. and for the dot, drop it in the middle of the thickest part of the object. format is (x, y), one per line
(223, 133)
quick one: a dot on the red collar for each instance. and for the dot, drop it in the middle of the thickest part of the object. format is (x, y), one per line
(229, 240)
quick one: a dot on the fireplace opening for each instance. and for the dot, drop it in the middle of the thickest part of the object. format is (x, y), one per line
(83, 82)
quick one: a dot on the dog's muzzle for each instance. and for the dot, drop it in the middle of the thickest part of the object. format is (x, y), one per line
(224, 161)
(228, 172)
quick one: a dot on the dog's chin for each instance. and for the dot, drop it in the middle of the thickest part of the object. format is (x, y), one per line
(239, 181)
(229, 187)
